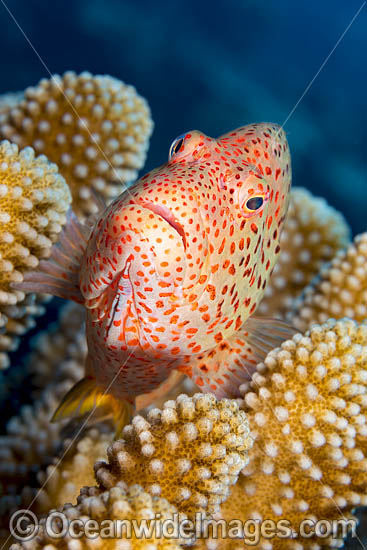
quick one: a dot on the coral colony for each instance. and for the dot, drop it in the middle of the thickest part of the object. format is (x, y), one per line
(34, 200)
(95, 128)
(291, 445)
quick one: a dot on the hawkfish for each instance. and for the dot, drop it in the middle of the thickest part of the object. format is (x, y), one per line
(172, 271)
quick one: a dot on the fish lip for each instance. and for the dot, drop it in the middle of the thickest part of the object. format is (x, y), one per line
(166, 214)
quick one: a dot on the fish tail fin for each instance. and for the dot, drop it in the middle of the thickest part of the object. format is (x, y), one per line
(59, 274)
(223, 369)
(86, 398)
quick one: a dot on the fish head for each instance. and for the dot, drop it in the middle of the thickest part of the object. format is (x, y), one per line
(191, 244)
(227, 198)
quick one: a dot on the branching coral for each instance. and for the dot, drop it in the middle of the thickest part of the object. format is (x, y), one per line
(190, 452)
(58, 357)
(307, 409)
(18, 319)
(339, 291)
(61, 482)
(96, 128)
(30, 445)
(313, 233)
(26, 478)
(31, 441)
(119, 503)
(34, 199)
(9, 100)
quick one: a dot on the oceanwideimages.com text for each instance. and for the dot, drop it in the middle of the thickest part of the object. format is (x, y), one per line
(24, 525)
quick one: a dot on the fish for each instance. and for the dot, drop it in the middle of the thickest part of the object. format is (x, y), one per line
(172, 271)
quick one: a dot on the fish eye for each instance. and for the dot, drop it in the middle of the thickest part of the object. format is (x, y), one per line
(176, 146)
(254, 203)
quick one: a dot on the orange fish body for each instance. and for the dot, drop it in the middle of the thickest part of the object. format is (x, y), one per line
(175, 267)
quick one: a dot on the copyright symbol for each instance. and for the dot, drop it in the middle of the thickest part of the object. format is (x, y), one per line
(23, 525)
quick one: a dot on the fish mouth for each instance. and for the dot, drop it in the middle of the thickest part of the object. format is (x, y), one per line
(166, 214)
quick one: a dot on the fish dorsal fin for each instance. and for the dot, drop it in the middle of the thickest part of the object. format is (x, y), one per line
(59, 274)
(224, 368)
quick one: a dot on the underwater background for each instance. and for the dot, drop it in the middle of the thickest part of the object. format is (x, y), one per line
(215, 66)
(212, 66)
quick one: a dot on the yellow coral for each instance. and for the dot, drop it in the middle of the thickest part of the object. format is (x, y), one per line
(96, 128)
(313, 232)
(307, 408)
(17, 320)
(8, 101)
(31, 441)
(190, 452)
(119, 503)
(34, 199)
(339, 291)
(61, 482)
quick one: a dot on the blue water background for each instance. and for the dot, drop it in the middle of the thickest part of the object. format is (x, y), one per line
(215, 66)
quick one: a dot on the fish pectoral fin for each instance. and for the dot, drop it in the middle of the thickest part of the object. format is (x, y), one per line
(146, 399)
(59, 274)
(224, 368)
(86, 398)
(266, 333)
